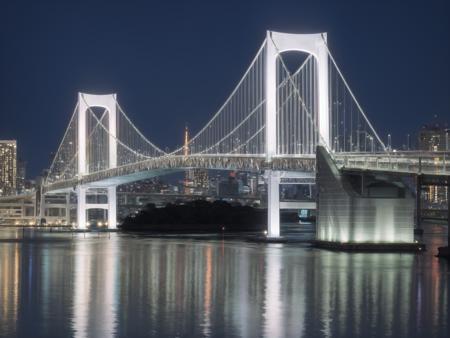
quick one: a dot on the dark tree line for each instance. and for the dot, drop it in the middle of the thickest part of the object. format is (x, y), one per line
(197, 215)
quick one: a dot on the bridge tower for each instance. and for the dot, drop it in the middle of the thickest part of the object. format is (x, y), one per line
(85, 103)
(277, 43)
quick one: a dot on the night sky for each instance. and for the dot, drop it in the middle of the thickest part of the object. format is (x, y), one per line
(173, 62)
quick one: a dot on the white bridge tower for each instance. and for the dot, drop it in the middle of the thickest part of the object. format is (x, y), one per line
(85, 103)
(277, 43)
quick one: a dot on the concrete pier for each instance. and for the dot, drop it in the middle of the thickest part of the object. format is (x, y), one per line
(362, 210)
(444, 252)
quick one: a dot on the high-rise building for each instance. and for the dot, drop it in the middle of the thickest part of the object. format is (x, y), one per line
(201, 181)
(189, 175)
(8, 167)
(435, 137)
(21, 176)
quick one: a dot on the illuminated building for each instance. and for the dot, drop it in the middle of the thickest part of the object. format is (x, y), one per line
(188, 175)
(200, 179)
(186, 141)
(20, 177)
(17, 210)
(435, 137)
(8, 167)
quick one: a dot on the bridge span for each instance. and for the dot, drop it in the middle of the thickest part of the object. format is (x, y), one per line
(288, 124)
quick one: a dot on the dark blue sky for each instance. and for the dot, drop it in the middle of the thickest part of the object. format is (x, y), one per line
(173, 62)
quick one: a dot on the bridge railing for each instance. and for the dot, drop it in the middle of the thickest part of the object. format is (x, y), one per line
(432, 163)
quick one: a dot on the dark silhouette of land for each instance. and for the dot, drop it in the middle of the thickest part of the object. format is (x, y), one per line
(199, 216)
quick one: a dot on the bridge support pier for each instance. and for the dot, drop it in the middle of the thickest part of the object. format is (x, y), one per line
(81, 207)
(68, 208)
(273, 203)
(112, 208)
(419, 180)
(41, 207)
(362, 210)
(445, 251)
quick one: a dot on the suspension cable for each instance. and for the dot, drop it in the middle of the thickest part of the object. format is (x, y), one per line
(352, 95)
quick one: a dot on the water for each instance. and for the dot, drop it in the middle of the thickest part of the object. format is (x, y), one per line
(56, 285)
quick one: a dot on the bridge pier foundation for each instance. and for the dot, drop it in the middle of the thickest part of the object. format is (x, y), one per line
(419, 180)
(445, 251)
(41, 207)
(273, 203)
(68, 208)
(81, 207)
(112, 208)
(362, 210)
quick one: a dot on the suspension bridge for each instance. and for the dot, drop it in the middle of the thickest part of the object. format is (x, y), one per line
(275, 121)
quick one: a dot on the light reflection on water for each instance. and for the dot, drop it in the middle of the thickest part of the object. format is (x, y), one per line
(56, 286)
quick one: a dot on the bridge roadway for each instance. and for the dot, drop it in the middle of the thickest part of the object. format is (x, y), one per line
(433, 164)
(169, 164)
(402, 163)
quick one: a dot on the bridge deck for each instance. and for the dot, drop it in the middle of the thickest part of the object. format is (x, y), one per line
(436, 164)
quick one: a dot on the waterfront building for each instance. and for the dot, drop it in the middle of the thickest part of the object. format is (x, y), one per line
(17, 210)
(8, 167)
(435, 137)
(21, 176)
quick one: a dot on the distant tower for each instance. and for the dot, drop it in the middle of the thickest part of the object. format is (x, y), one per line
(195, 180)
(186, 141)
(8, 167)
(189, 174)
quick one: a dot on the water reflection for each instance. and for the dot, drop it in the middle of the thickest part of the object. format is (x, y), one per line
(9, 287)
(124, 286)
(95, 287)
(273, 305)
